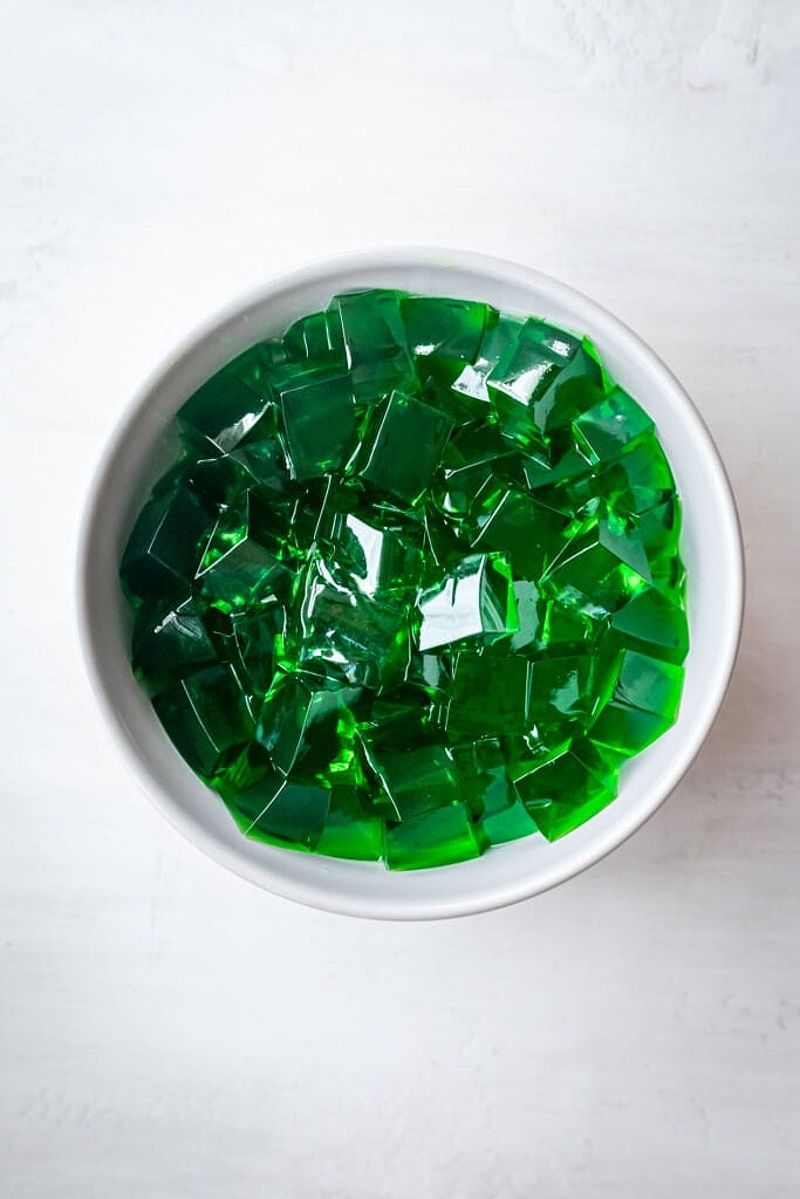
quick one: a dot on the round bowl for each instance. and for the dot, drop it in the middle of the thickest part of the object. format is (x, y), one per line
(145, 442)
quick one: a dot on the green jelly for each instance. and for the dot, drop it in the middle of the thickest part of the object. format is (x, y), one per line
(413, 588)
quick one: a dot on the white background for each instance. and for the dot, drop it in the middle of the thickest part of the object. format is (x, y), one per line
(167, 1030)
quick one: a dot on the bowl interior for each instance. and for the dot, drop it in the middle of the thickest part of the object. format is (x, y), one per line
(145, 443)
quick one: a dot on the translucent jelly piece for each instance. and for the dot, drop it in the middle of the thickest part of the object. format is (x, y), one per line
(316, 338)
(605, 429)
(170, 640)
(508, 824)
(442, 328)
(496, 343)
(527, 532)
(596, 571)
(206, 716)
(366, 639)
(319, 420)
(302, 721)
(477, 600)
(164, 547)
(655, 624)
(627, 730)
(562, 689)
(378, 560)
(231, 405)
(238, 573)
(566, 791)
(350, 830)
(491, 795)
(649, 684)
(491, 696)
(542, 381)
(436, 838)
(417, 780)
(296, 816)
(374, 337)
(402, 446)
(223, 478)
(639, 479)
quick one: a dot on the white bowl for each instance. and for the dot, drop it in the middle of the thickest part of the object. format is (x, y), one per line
(143, 445)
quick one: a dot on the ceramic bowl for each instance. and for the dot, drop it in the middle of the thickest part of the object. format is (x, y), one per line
(145, 442)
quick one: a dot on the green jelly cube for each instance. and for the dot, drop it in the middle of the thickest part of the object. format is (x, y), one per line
(627, 730)
(640, 477)
(501, 336)
(609, 426)
(659, 531)
(319, 421)
(563, 464)
(491, 696)
(170, 640)
(233, 403)
(648, 684)
(529, 533)
(508, 824)
(484, 778)
(566, 791)
(254, 635)
(477, 600)
(351, 830)
(206, 716)
(597, 571)
(164, 547)
(374, 337)
(436, 838)
(655, 624)
(295, 817)
(531, 362)
(367, 639)
(317, 338)
(562, 689)
(416, 780)
(247, 785)
(223, 478)
(443, 328)
(238, 573)
(303, 721)
(402, 446)
(379, 561)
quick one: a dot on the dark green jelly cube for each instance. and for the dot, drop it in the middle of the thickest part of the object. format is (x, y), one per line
(529, 533)
(649, 684)
(566, 791)
(165, 545)
(295, 817)
(562, 689)
(416, 780)
(436, 838)
(317, 338)
(491, 696)
(610, 425)
(374, 337)
(206, 716)
(508, 824)
(654, 624)
(233, 403)
(402, 446)
(169, 640)
(319, 422)
(352, 830)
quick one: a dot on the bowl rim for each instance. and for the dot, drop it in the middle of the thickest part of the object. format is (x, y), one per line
(305, 892)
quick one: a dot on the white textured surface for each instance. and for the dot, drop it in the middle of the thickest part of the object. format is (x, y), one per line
(167, 1030)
